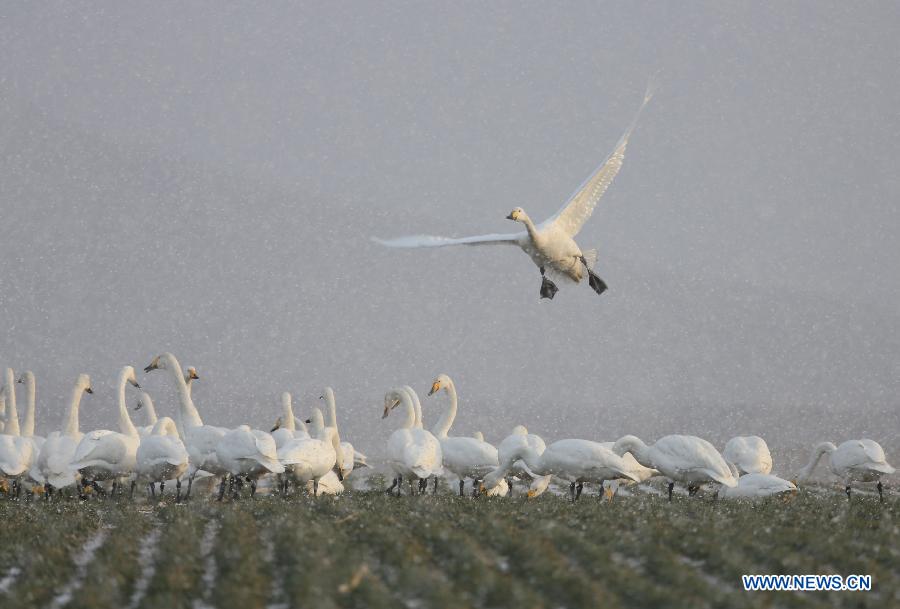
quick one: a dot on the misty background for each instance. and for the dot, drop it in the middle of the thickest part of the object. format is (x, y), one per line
(205, 179)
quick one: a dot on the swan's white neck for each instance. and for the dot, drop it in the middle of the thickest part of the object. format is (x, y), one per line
(409, 421)
(331, 407)
(287, 412)
(71, 428)
(819, 450)
(417, 405)
(527, 454)
(446, 422)
(12, 415)
(532, 229)
(187, 412)
(28, 428)
(147, 403)
(125, 424)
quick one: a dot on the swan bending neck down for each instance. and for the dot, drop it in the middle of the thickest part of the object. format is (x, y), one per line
(576, 461)
(853, 461)
(687, 459)
(311, 459)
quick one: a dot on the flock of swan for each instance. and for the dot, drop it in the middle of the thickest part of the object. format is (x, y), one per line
(311, 455)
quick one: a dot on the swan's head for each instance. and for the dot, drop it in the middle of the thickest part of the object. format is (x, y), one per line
(517, 215)
(84, 382)
(327, 395)
(128, 373)
(391, 400)
(491, 480)
(441, 382)
(157, 363)
(26, 377)
(191, 374)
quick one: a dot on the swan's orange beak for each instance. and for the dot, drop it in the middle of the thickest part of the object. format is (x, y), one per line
(387, 411)
(435, 387)
(194, 376)
(89, 390)
(532, 494)
(481, 489)
(513, 215)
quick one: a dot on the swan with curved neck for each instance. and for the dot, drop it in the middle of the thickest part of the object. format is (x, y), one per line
(145, 402)
(413, 452)
(16, 452)
(285, 426)
(52, 465)
(853, 461)
(464, 457)
(162, 456)
(573, 460)
(750, 454)
(200, 440)
(310, 459)
(108, 455)
(686, 459)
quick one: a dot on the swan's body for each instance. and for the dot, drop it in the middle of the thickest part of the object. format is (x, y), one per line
(576, 461)
(16, 452)
(52, 464)
(853, 461)
(310, 459)
(686, 459)
(463, 457)
(412, 452)
(248, 452)
(109, 455)
(517, 439)
(753, 486)
(551, 244)
(161, 455)
(200, 440)
(750, 454)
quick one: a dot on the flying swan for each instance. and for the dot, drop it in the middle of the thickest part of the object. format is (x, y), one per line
(551, 244)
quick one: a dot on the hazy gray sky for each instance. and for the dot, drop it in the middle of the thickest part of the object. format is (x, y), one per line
(204, 179)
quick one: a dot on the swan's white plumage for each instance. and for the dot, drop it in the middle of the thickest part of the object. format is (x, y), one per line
(310, 459)
(686, 459)
(161, 455)
(757, 485)
(16, 451)
(52, 463)
(853, 461)
(412, 452)
(750, 454)
(243, 451)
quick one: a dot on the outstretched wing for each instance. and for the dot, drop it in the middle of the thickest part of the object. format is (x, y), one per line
(433, 241)
(572, 216)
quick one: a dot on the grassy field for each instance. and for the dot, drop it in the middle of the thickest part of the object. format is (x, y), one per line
(369, 550)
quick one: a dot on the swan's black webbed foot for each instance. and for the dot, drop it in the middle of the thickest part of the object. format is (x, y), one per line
(880, 488)
(548, 288)
(597, 284)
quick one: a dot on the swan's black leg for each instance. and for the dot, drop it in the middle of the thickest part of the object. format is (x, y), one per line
(880, 488)
(548, 288)
(187, 495)
(222, 487)
(434, 492)
(847, 490)
(315, 488)
(115, 487)
(48, 491)
(693, 490)
(462, 484)
(671, 487)
(152, 488)
(572, 491)
(252, 487)
(423, 485)
(597, 284)
(162, 489)
(578, 490)
(178, 490)
(509, 482)
(391, 489)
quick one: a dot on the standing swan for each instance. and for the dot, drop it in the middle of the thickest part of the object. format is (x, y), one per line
(110, 455)
(161, 456)
(464, 457)
(52, 464)
(249, 453)
(686, 459)
(551, 245)
(306, 459)
(331, 421)
(412, 452)
(16, 452)
(286, 425)
(200, 440)
(853, 461)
